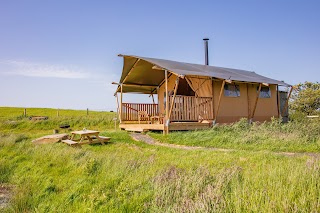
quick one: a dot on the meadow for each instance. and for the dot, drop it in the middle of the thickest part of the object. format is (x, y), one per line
(131, 176)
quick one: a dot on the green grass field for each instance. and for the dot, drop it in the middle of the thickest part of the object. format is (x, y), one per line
(300, 136)
(130, 176)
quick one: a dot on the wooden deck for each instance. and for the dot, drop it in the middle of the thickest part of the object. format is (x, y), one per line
(134, 127)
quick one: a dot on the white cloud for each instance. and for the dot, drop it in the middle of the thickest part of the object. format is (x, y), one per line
(23, 68)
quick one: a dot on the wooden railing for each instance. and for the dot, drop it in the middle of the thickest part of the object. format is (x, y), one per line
(185, 108)
(130, 110)
(190, 108)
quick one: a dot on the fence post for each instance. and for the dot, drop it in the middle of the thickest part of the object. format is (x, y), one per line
(25, 112)
(58, 113)
(87, 111)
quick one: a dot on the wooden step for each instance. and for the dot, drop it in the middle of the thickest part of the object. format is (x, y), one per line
(70, 142)
(136, 129)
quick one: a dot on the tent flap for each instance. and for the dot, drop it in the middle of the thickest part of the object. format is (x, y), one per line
(201, 86)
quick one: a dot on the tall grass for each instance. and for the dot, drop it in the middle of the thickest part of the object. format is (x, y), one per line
(135, 177)
(130, 176)
(273, 136)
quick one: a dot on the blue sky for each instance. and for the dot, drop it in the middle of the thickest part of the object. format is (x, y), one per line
(63, 53)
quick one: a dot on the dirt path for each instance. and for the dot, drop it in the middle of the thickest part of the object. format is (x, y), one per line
(5, 195)
(149, 140)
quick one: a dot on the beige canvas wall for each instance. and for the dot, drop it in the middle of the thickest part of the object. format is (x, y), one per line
(266, 107)
(231, 108)
(234, 108)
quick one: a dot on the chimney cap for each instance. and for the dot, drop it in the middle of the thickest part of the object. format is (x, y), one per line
(206, 39)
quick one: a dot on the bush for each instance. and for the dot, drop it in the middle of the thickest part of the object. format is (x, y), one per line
(306, 98)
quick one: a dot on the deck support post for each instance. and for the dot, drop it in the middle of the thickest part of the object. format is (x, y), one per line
(167, 121)
(219, 101)
(174, 97)
(287, 101)
(255, 103)
(120, 103)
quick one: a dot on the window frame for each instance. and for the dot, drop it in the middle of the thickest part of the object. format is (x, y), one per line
(264, 94)
(235, 93)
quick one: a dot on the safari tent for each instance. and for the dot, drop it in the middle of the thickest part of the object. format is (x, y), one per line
(192, 96)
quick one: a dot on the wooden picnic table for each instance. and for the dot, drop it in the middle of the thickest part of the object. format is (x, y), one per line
(86, 137)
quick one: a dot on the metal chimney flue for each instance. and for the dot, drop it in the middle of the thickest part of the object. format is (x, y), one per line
(206, 50)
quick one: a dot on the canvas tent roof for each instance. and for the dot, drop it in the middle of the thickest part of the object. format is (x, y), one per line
(139, 75)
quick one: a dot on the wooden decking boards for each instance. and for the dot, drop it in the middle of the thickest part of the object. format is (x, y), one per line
(134, 127)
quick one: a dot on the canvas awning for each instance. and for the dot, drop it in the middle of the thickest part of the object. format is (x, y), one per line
(144, 75)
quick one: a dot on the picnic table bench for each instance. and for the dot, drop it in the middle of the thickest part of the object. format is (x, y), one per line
(86, 137)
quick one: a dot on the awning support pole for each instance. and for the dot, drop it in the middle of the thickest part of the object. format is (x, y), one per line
(174, 96)
(287, 102)
(162, 82)
(255, 103)
(167, 121)
(278, 101)
(118, 109)
(121, 103)
(219, 101)
(212, 84)
(152, 98)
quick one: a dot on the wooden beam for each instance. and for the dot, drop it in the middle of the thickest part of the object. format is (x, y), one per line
(162, 82)
(117, 90)
(219, 101)
(139, 85)
(166, 123)
(133, 66)
(152, 98)
(248, 102)
(278, 101)
(256, 102)
(287, 102)
(120, 103)
(118, 108)
(212, 84)
(174, 96)
(154, 87)
(155, 67)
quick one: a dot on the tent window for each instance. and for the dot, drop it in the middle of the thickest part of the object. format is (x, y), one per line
(265, 92)
(231, 90)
